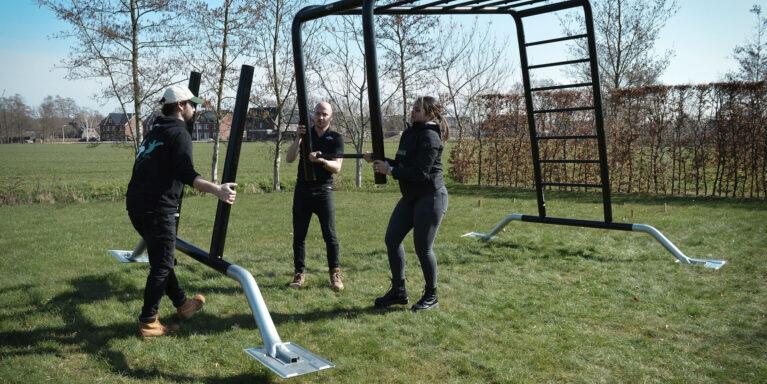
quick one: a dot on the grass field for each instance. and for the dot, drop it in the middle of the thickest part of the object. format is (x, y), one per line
(537, 304)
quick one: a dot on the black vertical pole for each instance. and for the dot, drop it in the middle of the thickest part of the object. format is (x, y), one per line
(232, 158)
(194, 86)
(374, 98)
(301, 99)
(598, 117)
(530, 117)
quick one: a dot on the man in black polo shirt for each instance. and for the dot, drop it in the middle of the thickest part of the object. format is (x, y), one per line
(316, 197)
(162, 166)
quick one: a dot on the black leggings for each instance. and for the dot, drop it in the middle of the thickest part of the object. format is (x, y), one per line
(159, 233)
(423, 216)
(318, 201)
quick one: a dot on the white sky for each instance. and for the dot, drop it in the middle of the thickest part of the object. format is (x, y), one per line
(703, 35)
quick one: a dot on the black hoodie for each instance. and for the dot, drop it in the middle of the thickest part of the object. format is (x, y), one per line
(162, 166)
(418, 164)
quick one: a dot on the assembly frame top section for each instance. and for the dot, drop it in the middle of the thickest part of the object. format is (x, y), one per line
(521, 8)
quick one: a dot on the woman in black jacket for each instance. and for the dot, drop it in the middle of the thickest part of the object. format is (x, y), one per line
(418, 169)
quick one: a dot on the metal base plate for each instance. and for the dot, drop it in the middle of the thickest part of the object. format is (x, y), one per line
(127, 257)
(477, 235)
(307, 361)
(714, 264)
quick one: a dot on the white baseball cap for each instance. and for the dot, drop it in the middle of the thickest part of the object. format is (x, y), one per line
(176, 93)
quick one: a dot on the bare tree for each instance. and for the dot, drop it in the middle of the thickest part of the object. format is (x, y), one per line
(226, 32)
(341, 74)
(408, 42)
(752, 56)
(471, 63)
(55, 115)
(626, 34)
(15, 118)
(274, 59)
(125, 42)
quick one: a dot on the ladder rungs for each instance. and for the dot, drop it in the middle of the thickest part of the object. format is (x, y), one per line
(569, 161)
(549, 41)
(567, 137)
(561, 87)
(563, 109)
(582, 185)
(558, 63)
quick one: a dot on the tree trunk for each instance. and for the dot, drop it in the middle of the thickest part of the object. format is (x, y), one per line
(138, 135)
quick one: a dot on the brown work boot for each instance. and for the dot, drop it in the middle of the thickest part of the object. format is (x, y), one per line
(190, 307)
(154, 328)
(298, 281)
(335, 280)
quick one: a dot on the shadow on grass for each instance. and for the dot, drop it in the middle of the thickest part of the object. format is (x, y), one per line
(81, 335)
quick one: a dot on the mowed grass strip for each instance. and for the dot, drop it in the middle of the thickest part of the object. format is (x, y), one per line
(537, 304)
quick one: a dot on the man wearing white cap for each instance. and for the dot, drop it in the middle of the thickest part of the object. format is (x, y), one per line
(162, 166)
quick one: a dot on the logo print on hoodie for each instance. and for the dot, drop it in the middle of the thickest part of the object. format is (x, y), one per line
(145, 150)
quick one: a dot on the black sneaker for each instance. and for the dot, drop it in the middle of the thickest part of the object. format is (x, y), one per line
(428, 301)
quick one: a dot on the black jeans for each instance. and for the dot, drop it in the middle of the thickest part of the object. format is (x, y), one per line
(318, 201)
(159, 233)
(423, 216)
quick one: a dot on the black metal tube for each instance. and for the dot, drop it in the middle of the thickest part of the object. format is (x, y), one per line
(331, 156)
(218, 239)
(598, 118)
(374, 98)
(316, 11)
(577, 223)
(550, 8)
(301, 97)
(530, 117)
(194, 86)
(198, 254)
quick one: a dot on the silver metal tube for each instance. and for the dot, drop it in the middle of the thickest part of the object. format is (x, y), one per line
(714, 264)
(488, 236)
(273, 345)
(140, 248)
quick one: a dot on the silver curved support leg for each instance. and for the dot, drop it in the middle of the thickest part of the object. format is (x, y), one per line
(284, 358)
(134, 256)
(714, 264)
(496, 229)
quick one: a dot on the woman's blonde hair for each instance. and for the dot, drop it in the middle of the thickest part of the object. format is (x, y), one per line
(432, 106)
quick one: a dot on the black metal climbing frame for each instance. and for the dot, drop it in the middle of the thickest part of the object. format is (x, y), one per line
(518, 10)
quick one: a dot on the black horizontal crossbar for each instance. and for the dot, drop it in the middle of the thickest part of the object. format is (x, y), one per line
(567, 137)
(564, 86)
(579, 185)
(572, 109)
(558, 39)
(558, 63)
(578, 223)
(331, 156)
(569, 161)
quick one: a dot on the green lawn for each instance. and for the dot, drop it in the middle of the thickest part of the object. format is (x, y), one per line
(537, 304)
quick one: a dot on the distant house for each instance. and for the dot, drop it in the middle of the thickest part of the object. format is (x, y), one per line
(259, 124)
(117, 127)
(205, 126)
(89, 134)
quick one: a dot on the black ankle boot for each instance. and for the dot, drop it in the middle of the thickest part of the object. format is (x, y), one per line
(428, 300)
(397, 294)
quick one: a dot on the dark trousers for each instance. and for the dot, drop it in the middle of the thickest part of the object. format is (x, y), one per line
(159, 234)
(423, 216)
(318, 201)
